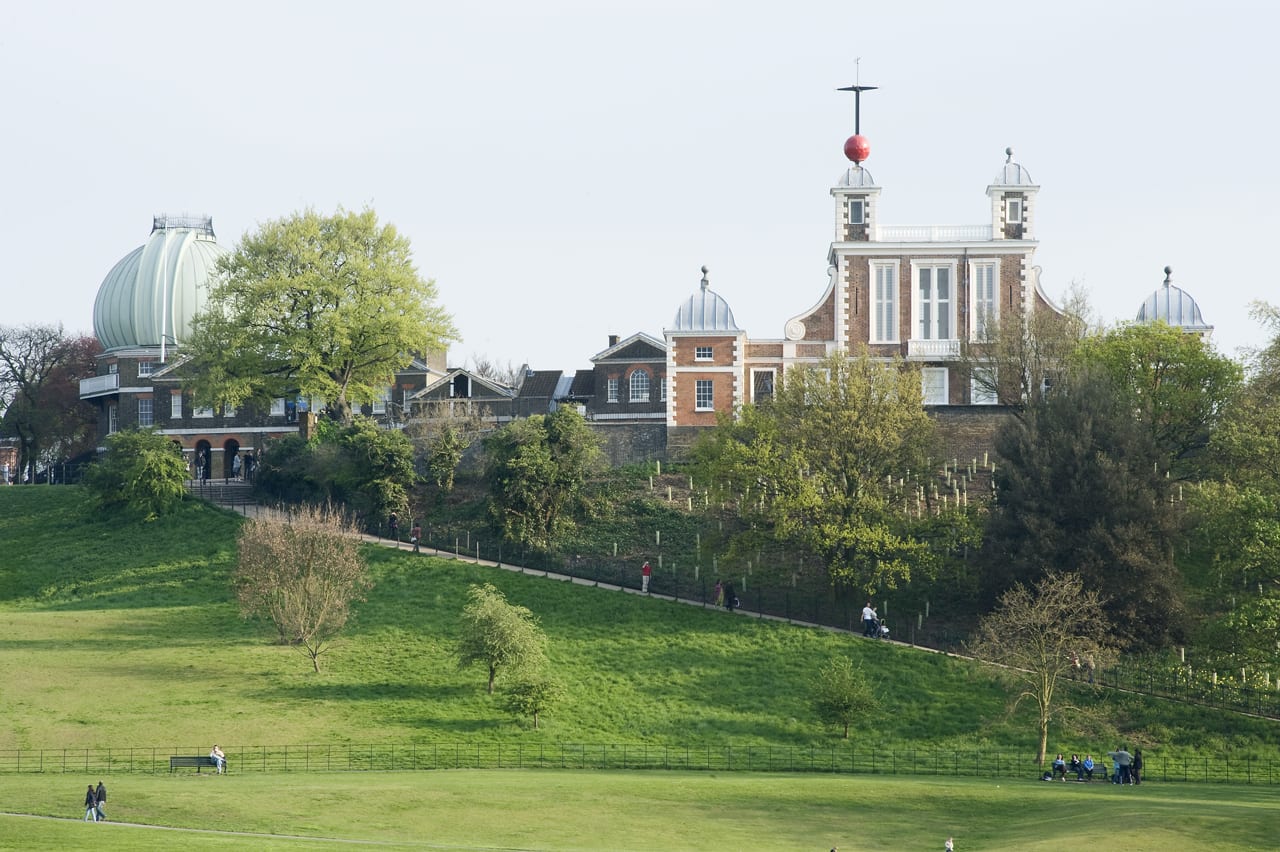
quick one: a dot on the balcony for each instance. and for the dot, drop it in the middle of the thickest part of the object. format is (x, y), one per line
(99, 385)
(933, 350)
(932, 234)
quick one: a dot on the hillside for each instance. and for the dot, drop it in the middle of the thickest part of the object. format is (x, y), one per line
(116, 635)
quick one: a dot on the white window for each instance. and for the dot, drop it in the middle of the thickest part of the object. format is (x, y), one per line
(934, 302)
(762, 385)
(228, 411)
(146, 413)
(702, 353)
(277, 407)
(113, 421)
(982, 387)
(704, 399)
(662, 388)
(202, 412)
(639, 386)
(857, 211)
(113, 367)
(613, 391)
(983, 301)
(380, 404)
(175, 406)
(144, 367)
(933, 382)
(1013, 211)
(884, 302)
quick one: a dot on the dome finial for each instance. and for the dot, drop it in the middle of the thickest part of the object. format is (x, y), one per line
(1008, 154)
(1168, 276)
(705, 283)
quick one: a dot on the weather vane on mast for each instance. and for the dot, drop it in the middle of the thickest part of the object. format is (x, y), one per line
(857, 147)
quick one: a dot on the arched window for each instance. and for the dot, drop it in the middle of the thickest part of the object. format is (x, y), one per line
(639, 386)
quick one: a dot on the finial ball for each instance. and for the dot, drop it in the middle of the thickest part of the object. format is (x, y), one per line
(857, 148)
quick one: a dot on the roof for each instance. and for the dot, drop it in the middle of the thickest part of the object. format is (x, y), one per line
(1012, 174)
(637, 347)
(584, 384)
(1174, 306)
(540, 383)
(705, 310)
(156, 289)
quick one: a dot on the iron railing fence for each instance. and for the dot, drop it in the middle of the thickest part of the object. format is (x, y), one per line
(617, 756)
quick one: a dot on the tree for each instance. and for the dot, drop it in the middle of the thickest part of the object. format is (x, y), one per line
(500, 635)
(143, 473)
(1081, 484)
(534, 694)
(841, 694)
(1020, 358)
(1039, 636)
(811, 468)
(319, 306)
(1176, 384)
(302, 570)
(441, 435)
(537, 472)
(40, 373)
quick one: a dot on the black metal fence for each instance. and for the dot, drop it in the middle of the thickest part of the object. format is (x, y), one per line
(611, 756)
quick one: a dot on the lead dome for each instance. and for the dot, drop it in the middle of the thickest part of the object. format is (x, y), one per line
(1172, 305)
(155, 290)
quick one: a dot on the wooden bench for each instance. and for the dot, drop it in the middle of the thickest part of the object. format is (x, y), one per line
(198, 761)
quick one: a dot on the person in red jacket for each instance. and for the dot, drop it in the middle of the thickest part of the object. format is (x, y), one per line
(645, 573)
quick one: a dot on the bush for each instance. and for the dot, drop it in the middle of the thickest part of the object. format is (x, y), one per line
(143, 473)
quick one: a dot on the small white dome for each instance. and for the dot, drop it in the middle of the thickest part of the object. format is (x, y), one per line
(1174, 306)
(1011, 173)
(705, 310)
(158, 287)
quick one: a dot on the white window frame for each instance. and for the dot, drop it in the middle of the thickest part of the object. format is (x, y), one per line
(1013, 211)
(175, 405)
(202, 412)
(228, 410)
(773, 384)
(113, 419)
(662, 389)
(699, 386)
(277, 407)
(146, 412)
(983, 311)
(612, 392)
(379, 405)
(638, 385)
(145, 368)
(978, 394)
(929, 381)
(113, 368)
(932, 331)
(860, 205)
(704, 353)
(883, 300)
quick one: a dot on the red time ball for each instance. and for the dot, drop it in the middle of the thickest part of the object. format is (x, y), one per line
(857, 148)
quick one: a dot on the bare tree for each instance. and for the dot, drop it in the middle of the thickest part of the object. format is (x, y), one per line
(302, 570)
(490, 368)
(441, 434)
(1038, 636)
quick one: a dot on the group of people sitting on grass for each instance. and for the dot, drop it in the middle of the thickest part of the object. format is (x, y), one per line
(1126, 768)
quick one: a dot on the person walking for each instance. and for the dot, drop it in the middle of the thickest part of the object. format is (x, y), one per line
(868, 620)
(100, 797)
(719, 593)
(645, 572)
(415, 536)
(235, 467)
(1135, 767)
(90, 805)
(393, 521)
(730, 597)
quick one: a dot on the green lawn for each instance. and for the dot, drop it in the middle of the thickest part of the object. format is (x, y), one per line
(555, 810)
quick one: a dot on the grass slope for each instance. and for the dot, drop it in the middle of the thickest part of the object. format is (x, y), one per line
(116, 634)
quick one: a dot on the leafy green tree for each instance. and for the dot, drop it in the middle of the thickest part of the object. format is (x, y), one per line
(502, 636)
(142, 473)
(302, 570)
(1245, 446)
(841, 694)
(319, 306)
(1038, 636)
(1176, 384)
(811, 468)
(534, 694)
(1081, 485)
(537, 472)
(40, 372)
(441, 435)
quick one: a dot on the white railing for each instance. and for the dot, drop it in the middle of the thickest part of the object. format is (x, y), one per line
(933, 348)
(99, 384)
(932, 233)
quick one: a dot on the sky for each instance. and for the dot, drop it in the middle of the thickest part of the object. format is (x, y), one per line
(563, 168)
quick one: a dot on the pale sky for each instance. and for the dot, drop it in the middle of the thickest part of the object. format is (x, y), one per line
(563, 168)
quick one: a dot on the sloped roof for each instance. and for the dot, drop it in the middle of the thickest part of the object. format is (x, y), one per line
(540, 383)
(637, 347)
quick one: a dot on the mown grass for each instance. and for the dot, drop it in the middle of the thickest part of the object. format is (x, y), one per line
(636, 811)
(119, 634)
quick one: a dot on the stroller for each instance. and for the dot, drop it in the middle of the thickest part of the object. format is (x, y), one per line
(881, 629)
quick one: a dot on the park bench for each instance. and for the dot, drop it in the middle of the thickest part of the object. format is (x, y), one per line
(197, 760)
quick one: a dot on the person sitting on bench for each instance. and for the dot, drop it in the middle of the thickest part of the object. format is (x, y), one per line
(219, 758)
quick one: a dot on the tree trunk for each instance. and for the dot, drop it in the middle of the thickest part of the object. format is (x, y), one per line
(535, 720)
(1044, 740)
(492, 673)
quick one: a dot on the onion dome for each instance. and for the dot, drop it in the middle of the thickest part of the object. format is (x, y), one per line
(155, 290)
(1174, 306)
(705, 310)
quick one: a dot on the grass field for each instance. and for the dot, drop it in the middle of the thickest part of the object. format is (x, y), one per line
(119, 635)
(554, 810)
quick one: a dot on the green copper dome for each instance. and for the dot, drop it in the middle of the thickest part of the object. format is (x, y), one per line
(156, 289)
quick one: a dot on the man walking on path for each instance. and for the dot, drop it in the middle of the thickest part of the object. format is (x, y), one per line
(645, 572)
(100, 797)
(868, 620)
